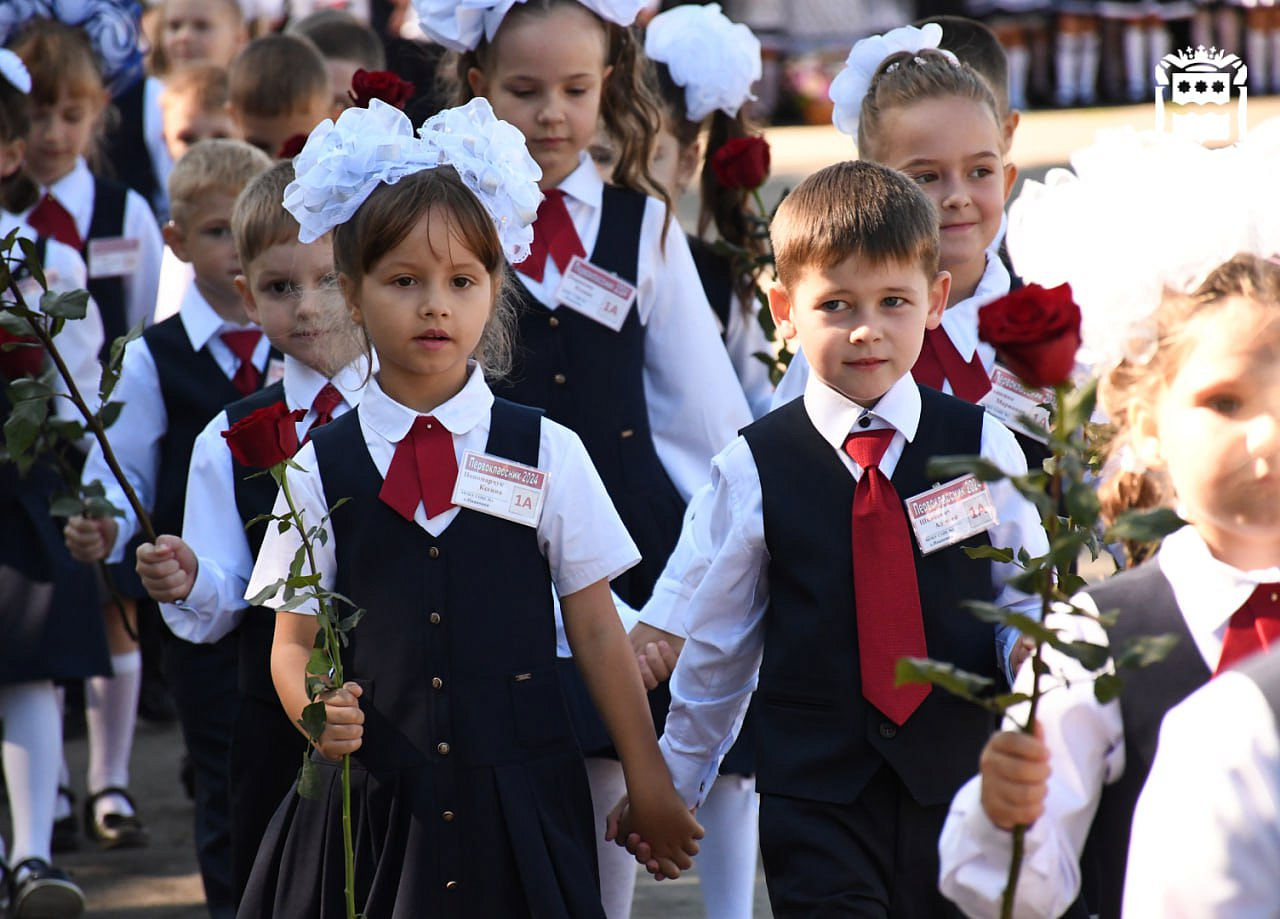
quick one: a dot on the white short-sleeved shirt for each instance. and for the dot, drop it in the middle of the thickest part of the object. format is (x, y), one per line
(579, 531)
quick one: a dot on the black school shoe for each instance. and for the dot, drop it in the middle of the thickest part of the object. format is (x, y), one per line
(66, 830)
(41, 891)
(114, 831)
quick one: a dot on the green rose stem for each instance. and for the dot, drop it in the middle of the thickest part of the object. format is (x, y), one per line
(91, 419)
(1051, 524)
(330, 649)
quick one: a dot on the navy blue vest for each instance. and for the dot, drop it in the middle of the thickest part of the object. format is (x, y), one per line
(125, 147)
(715, 270)
(591, 379)
(816, 737)
(1147, 607)
(107, 222)
(457, 648)
(255, 496)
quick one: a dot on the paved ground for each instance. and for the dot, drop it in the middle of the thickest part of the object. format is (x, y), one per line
(160, 882)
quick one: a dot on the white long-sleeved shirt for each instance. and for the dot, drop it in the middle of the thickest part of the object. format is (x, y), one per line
(135, 437)
(211, 522)
(720, 597)
(1086, 746)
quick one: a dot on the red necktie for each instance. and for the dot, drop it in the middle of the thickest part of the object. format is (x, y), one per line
(49, 218)
(553, 235)
(1253, 627)
(326, 400)
(242, 344)
(890, 624)
(423, 469)
(939, 360)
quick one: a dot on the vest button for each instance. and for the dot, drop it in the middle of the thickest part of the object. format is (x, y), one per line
(553, 322)
(433, 552)
(442, 749)
(447, 816)
(560, 379)
(864, 421)
(434, 618)
(451, 885)
(887, 730)
(437, 683)
(627, 432)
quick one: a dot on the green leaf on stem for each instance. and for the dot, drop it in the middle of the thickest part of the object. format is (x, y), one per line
(66, 506)
(990, 552)
(1082, 504)
(1091, 656)
(316, 685)
(109, 414)
(1107, 687)
(318, 663)
(31, 256)
(313, 720)
(309, 784)
(350, 622)
(962, 683)
(28, 388)
(67, 304)
(262, 596)
(1144, 650)
(98, 507)
(949, 467)
(22, 428)
(1145, 526)
(1076, 405)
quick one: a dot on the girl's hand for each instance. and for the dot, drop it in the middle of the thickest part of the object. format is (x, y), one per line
(655, 826)
(89, 539)
(344, 722)
(656, 653)
(1015, 778)
(167, 569)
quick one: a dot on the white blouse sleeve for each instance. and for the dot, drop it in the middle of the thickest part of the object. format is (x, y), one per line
(141, 286)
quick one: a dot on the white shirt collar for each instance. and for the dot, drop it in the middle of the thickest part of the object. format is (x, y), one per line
(302, 383)
(1208, 590)
(835, 416)
(199, 319)
(584, 183)
(961, 320)
(460, 414)
(75, 192)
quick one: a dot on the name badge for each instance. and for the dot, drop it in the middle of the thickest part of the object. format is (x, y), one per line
(951, 513)
(275, 371)
(595, 293)
(500, 487)
(109, 258)
(1019, 407)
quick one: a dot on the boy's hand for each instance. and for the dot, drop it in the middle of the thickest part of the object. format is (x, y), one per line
(344, 722)
(1022, 649)
(1015, 778)
(167, 569)
(656, 653)
(89, 539)
(656, 827)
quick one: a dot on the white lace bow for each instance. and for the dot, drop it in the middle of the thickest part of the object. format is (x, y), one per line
(714, 59)
(460, 24)
(850, 86)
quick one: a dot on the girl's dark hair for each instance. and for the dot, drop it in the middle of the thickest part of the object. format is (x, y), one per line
(17, 191)
(391, 212)
(724, 207)
(628, 107)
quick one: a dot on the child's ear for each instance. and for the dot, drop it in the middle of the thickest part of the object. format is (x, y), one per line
(173, 238)
(11, 156)
(1010, 126)
(939, 291)
(1010, 176)
(1145, 437)
(478, 82)
(247, 298)
(780, 307)
(687, 165)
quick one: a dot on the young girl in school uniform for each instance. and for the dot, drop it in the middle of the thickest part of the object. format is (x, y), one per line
(50, 628)
(621, 347)
(893, 93)
(1202, 413)
(470, 795)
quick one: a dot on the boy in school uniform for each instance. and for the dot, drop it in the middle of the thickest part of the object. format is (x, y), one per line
(810, 584)
(176, 377)
(277, 89)
(289, 288)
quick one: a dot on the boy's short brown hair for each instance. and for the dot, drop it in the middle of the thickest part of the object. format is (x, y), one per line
(854, 209)
(259, 220)
(221, 165)
(341, 36)
(277, 75)
(205, 84)
(976, 45)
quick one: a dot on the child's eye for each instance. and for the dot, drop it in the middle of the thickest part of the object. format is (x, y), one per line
(576, 91)
(1223, 405)
(282, 288)
(923, 178)
(893, 302)
(982, 172)
(403, 281)
(329, 281)
(462, 282)
(831, 306)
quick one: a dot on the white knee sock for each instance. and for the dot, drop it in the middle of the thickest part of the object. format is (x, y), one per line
(1158, 43)
(727, 855)
(111, 709)
(32, 742)
(1135, 61)
(617, 865)
(1067, 67)
(1086, 84)
(1019, 64)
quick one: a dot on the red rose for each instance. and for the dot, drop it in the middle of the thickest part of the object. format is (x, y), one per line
(1036, 333)
(267, 437)
(292, 147)
(368, 85)
(742, 163)
(26, 360)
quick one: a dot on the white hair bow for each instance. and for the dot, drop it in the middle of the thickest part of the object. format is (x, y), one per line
(850, 86)
(460, 24)
(714, 59)
(13, 70)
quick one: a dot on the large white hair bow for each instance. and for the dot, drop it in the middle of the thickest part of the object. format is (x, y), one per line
(13, 70)
(1139, 213)
(850, 86)
(460, 24)
(715, 59)
(342, 163)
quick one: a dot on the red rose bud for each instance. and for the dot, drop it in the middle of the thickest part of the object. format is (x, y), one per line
(368, 85)
(1036, 333)
(26, 360)
(267, 437)
(292, 147)
(742, 163)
